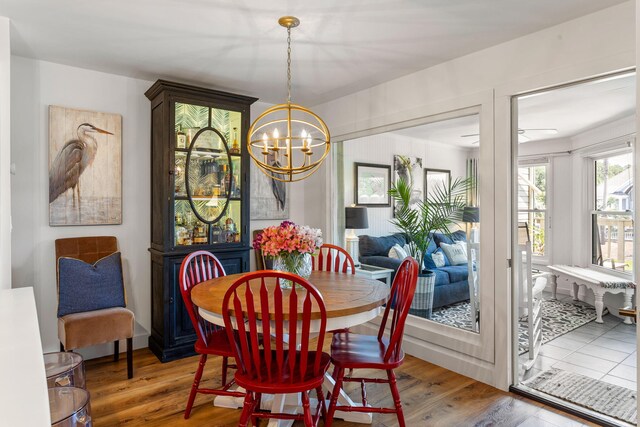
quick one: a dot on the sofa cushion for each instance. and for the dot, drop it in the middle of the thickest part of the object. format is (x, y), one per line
(397, 252)
(372, 246)
(88, 287)
(457, 273)
(456, 236)
(442, 277)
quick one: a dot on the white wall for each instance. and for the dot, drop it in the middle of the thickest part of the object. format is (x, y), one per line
(380, 149)
(5, 154)
(36, 85)
(591, 45)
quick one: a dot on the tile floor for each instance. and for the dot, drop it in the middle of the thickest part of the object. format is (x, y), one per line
(604, 351)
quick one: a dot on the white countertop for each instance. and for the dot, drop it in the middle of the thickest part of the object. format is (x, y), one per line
(24, 400)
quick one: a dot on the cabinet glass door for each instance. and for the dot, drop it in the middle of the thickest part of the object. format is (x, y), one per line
(207, 197)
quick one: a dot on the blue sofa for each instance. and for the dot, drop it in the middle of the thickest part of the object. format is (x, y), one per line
(451, 286)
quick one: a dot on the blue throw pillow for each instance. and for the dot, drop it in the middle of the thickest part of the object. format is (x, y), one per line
(86, 287)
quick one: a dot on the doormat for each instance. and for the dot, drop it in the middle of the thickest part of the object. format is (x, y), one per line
(609, 399)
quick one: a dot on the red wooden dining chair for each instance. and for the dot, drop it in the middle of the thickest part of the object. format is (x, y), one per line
(354, 351)
(265, 363)
(333, 258)
(212, 339)
(330, 258)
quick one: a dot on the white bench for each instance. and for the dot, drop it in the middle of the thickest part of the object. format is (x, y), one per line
(600, 283)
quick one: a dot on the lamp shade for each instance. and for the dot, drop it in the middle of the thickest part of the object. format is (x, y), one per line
(356, 218)
(471, 214)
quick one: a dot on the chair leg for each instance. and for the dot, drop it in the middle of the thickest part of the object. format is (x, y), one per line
(116, 350)
(339, 374)
(194, 387)
(225, 363)
(308, 420)
(62, 347)
(129, 358)
(247, 409)
(396, 396)
(321, 402)
(255, 418)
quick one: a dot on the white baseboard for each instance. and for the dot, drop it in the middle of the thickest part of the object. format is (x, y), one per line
(457, 362)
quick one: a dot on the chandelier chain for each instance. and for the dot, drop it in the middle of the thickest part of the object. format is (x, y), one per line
(289, 65)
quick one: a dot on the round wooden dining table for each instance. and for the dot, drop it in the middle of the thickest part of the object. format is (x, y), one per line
(349, 300)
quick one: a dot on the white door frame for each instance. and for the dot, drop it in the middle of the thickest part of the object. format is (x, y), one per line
(551, 80)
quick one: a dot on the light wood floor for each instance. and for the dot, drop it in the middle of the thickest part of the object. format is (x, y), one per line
(431, 396)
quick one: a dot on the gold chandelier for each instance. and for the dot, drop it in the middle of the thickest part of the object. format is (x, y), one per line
(296, 149)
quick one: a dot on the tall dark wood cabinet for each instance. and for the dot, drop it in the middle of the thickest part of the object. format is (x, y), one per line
(199, 197)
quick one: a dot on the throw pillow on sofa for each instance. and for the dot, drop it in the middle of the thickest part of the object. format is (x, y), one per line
(455, 252)
(438, 258)
(397, 252)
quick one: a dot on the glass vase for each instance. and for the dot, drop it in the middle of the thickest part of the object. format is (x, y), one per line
(295, 263)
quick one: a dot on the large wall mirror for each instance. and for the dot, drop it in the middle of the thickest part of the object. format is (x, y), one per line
(438, 161)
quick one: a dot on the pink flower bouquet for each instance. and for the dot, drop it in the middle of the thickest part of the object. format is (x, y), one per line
(288, 238)
(290, 246)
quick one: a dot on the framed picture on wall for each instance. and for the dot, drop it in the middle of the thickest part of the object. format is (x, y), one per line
(372, 185)
(85, 167)
(435, 178)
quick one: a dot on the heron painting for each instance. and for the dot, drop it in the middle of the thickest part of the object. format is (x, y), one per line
(269, 198)
(410, 170)
(85, 167)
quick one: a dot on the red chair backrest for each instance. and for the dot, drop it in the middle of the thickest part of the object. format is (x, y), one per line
(198, 267)
(331, 257)
(255, 333)
(402, 291)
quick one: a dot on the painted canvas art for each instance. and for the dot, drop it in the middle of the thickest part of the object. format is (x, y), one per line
(410, 170)
(269, 197)
(85, 167)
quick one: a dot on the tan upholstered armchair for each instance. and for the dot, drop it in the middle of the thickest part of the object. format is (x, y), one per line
(87, 328)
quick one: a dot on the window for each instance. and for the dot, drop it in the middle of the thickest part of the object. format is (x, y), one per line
(532, 205)
(612, 217)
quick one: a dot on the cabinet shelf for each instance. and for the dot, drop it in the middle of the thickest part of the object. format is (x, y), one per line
(209, 153)
(236, 199)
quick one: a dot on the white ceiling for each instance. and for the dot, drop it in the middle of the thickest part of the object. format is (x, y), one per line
(571, 110)
(577, 108)
(341, 46)
(448, 131)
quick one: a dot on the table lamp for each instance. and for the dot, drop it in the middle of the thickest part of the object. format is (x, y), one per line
(355, 219)
(471, 215)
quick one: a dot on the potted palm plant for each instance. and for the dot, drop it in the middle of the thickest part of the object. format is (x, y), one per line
(440, 211)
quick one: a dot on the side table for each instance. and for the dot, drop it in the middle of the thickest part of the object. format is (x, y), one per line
(373, 272)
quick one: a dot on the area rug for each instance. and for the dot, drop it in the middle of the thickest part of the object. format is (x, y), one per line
(558, 318)
(609, 399)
